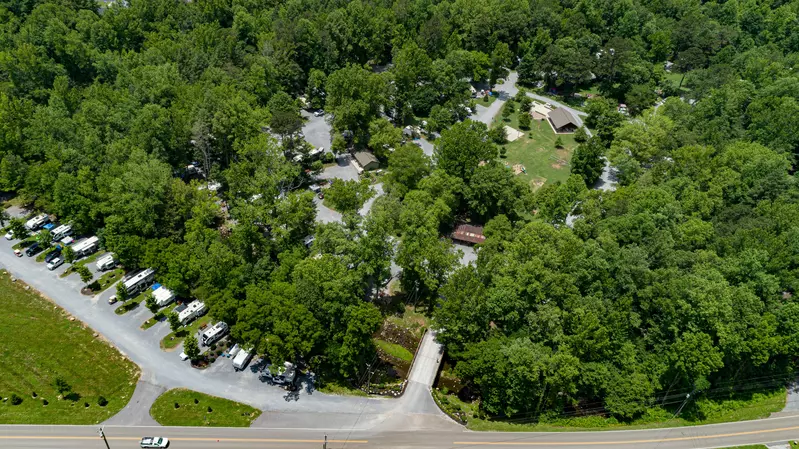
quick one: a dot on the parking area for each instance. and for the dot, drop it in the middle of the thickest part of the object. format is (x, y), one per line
(316, 130)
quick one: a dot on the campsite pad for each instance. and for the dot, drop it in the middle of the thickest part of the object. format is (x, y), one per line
(512, 133)
(518, 169)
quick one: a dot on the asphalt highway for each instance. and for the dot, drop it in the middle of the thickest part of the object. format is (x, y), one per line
(711, 436)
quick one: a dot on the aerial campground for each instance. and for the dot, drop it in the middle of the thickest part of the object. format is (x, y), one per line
(399, 224)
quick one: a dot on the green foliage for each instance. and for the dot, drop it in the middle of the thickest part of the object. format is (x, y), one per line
(461, 147)
(68, 254)
(191, 347)
(406, 167)
(18, 226)
(121, 292)
(84, 273)
(525, 120)
(348, 196)
(587, 161)
(150, 303)
(174, 321)
(44, 238)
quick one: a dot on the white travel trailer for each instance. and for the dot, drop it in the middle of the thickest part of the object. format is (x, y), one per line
(192, 311)
(139, 281)
(213, 334)
(86, 246)
(61, 232)
(37, 222)
(106, 262)
(242, 359)
(163, 296)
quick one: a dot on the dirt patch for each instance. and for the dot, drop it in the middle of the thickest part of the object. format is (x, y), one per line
(537, 182)
(562, 153)
(392, 333)
(519, 169)
(512, 133)
(556, 166)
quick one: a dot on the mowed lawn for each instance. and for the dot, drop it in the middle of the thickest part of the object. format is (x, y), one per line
(40, 343)
(198, 409)
(536, 151)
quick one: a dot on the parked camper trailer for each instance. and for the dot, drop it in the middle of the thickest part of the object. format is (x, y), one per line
(106, 262)
(162, 295)
(86, 246)
(37, 222)
(139, 281)
(61, 232)
(242, 359)
(213, 334)
(192, 311)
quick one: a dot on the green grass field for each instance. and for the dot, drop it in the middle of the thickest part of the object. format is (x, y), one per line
(198, 409)
(40, 344)
(394, 350)
(536, 151)
(174, 339)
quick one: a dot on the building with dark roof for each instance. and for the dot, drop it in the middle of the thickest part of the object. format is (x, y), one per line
(468, 234)
(366, 160)
(563, 121)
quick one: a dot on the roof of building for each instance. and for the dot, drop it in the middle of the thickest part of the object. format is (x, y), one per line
(560, 117)
(469, 233)
(540, 108)
(364, 158)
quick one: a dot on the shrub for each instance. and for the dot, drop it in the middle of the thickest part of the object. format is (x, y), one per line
(44, 402)
(485, 98)
(328, 158)
(33, 394)
(196, 401)
(15, 399)
(213, 346)
(86, 404)
(177, 405)
(502, 152)
(102, 401)
(210, 409)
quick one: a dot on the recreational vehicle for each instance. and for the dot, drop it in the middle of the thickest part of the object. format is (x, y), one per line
(139, 281)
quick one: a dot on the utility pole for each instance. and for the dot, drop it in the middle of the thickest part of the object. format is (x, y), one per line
(102, 435)
(687, 397)
(324, 445)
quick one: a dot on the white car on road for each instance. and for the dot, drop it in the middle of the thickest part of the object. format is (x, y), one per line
(55, 263)
(319, 113)
(9, 235)
(154, 442)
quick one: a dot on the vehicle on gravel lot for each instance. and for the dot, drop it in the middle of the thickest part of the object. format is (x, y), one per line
(154, 442)
(33, 250)
(18, 253)
(10, 235)
(56, 252)
(319, 113)
(112, 299)
(55, 263)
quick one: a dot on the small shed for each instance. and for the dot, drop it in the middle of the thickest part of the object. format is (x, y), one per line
(366, 160)
(563, 121)
(468, 234)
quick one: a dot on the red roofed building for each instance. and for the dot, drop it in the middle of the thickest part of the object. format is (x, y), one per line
(468, 234)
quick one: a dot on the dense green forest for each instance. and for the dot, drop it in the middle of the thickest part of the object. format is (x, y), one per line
(682, 280)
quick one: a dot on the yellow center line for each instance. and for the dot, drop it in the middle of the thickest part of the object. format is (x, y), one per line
(613, 443)
(221, 440)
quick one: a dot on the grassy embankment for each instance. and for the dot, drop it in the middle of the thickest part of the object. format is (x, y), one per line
(181, 407)
(42, 343)
(756, 406)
